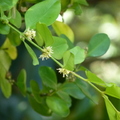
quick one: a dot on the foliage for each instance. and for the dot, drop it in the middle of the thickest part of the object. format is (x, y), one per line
(53, 96)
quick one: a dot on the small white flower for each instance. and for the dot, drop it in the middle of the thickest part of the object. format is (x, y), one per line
(46, 53)
(30, 34)
(64, 71)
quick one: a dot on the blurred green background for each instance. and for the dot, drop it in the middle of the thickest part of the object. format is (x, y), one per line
(101, 16)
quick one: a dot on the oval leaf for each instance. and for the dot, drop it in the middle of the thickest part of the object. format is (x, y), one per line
(73, 90)
(61, 28)
(45, 12)
(10, 49)
(59, 47)
(98, 45)
(79, 54)
(44, 35)
(68, 60)
(58, 105)
(48, 77)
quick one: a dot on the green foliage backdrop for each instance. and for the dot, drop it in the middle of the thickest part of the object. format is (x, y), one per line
(33, 24)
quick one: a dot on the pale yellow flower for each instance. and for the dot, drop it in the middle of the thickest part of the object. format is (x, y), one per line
(46, 53)
(30, 34)
(64, 71)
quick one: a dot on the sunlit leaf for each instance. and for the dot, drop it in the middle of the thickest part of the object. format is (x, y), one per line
(44, 35)
(7, 4)
(5, 60)
(113, 91)
(58, 105)
(62, 28)
(16, 18)
(10, 49)
(79, 54)
(48, 77)
(5, 63)
(45, 12)
(98, 45)
(112, 112)
(94, 79)
(68, 60)
(59, 47)
(6, 88)
(21, 81)
(32, 54)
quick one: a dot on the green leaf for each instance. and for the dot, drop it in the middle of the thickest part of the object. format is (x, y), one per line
(21, 81)
(59, 47)
(7, 4)
(6, 88)
(61, 28)
(16, 18)
(58, 105)
(32, 54)
(69, 43)
(82, 2)
(38, 107)
(48, 77)
(64, 5)
(68, 60)
(14, 37)
(5, 63)
(64, 96)
(84, 88)
(5, 60)
(112, 112)
(77, 8)
(72, 89)
(113, 91)
(10, 49)
(79, 54)
(94, 79)
(45, 12)
(4, 29)
(44, 35)
(98, 45)
(35, 90)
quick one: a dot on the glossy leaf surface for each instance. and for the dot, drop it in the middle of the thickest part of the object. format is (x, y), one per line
(58, 105)
(45, 12)
(98, 45)
(48, 77)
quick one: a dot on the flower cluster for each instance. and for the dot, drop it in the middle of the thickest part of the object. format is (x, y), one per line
(64, 71)
(30, 34)
(46, 53)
